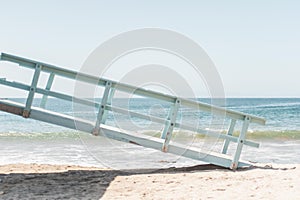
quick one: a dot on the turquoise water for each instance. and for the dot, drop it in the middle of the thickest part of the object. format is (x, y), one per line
(27, 141)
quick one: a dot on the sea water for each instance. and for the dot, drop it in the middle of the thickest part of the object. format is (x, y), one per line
(29, 141)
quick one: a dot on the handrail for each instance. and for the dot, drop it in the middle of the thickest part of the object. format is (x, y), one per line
(125, 87)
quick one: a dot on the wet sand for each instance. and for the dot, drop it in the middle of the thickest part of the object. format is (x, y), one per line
(33, 181)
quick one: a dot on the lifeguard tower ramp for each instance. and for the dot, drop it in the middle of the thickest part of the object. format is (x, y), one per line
(104, 107)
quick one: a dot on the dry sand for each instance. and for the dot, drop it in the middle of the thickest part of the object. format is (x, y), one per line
(34, 181)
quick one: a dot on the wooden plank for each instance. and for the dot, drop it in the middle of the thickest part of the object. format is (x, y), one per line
(10, 107)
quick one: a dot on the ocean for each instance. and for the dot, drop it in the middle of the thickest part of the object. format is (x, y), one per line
(29, 141)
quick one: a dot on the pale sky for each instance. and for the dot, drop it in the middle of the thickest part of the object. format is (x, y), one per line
(255, 45)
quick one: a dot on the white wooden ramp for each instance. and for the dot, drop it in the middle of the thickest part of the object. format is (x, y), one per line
(104, 107)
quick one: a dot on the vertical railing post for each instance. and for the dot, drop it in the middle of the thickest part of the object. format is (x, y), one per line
(48, 87)
(102, 107)
(230, 132)
(109, 102)
(26, 112)
(170, 124)
(240, 143)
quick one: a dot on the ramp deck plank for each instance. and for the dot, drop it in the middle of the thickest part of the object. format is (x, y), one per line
(118, 134)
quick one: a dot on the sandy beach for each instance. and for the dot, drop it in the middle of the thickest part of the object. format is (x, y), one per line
(264, 181)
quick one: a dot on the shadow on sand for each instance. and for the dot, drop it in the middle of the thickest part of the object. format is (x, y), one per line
(75, 184)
